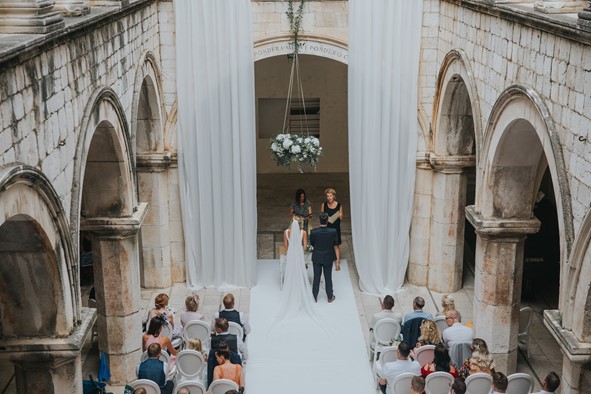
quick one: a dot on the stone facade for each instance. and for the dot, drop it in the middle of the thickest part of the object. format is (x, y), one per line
(88, 145)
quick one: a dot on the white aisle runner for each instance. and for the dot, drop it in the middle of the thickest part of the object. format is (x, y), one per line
(300, 356)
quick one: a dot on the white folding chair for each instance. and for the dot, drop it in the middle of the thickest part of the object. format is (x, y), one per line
(424, 354)
(148, 385)
(388, 354)
(459, 352)
(438, 382)
(190, 365)
(385, 331)
(440, 322)
(401, 384)
(479, 383)
(194, 387)
(235, 329)
(526, 315)
(519, 383)
(221, 386)
(196, 329)
(167, 332)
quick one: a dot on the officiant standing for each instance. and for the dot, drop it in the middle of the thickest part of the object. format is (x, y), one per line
(334, 210)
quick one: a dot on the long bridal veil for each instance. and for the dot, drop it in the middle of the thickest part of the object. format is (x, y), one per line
(296, 296)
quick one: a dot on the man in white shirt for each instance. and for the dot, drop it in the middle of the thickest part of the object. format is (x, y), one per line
(386, 312)
(550, 383)
(390, 370)
(456, 332)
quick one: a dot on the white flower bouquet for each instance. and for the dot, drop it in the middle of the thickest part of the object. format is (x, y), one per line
(293, 148)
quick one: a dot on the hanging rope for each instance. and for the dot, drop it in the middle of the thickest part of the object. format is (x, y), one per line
(295, 72)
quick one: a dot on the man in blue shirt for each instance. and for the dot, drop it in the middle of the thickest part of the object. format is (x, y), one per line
(155, 370)
(417, 305)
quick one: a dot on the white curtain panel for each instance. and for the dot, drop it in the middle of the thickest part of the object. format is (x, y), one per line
(216, 115)
(384, 46)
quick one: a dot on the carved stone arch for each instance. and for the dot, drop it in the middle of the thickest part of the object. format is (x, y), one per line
(34, 238)
(104, 113)
(579, 285)
(520, 118)
(147, 111)
(521, 107)
(315, 45)
(456, 86)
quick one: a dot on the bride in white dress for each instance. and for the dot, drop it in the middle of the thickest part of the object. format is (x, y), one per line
(296, 296)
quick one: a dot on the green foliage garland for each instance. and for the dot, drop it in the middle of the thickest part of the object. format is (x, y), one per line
(295, 22)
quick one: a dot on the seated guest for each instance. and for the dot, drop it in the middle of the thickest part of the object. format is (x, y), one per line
(447, 304)
(481, 363)
(191, 306)
(231, 314)
(225, 369)
(500, 383)
(417, 305)
(458, 386)
(456, 331)
(234, 343)
(140, 390)
(430, 334)
(478, 346)
(417, 385)
(153, 336)
(155, 370)
(390, 370)
(160, 309)
(386, 312)
(441, 362)
(195, 344)
(550, 383)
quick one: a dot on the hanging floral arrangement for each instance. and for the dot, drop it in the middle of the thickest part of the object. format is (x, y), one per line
(287, 148)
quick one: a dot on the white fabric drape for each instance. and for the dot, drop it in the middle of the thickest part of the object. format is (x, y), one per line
(216, 115)
(384, 45)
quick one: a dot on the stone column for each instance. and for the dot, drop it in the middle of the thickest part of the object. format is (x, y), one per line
(418, 265)
(117, 284)
(153, 188)
(575, 353)
(497, 283)
(29, 17)
(49, 365)
(446, 257)
(177, 236)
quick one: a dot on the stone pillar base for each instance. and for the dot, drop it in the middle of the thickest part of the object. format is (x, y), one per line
(29, 17)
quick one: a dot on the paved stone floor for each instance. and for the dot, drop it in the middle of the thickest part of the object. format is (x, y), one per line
(274, 195)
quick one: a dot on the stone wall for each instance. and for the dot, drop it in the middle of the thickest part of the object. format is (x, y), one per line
(504, 52)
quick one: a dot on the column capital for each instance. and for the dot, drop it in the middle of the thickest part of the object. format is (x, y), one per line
(50, 352)
(29, 17)
(153, 161)
(491, 228)
(422, 160)
(577, 352)
(451, 164)
(121, 227)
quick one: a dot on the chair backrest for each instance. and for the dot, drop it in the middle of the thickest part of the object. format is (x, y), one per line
(479, 383)
(148, 385)
(386, 330)
(438, 382)
(194, 387)
(221, 386)
(163, 357)
(166, 330)
(190, 364)
(235, 329)
(425, 354)
(401, 384)
(460, 352)
(196, 329)
(441, 323)
(388, 354)
(519, 383)
(526, 315)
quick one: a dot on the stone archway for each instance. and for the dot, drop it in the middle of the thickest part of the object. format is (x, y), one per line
(314, 45)
(509, 178)
(43, 327)
(456, 136)
(152, 164)
(104, 198)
